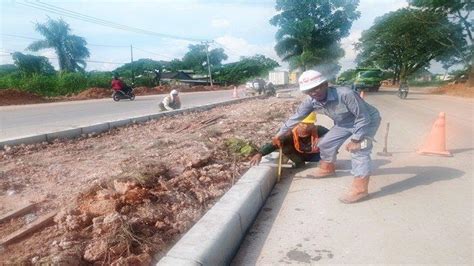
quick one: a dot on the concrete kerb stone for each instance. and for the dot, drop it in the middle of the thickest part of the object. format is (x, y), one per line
(140, 119)
(119, 123)
(24, 140)
(102, 127)
(213, 241)
(216, 237)
(64, 134)
(178, 262)
(96, 129)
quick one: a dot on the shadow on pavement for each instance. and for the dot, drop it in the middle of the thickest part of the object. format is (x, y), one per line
(423, 176)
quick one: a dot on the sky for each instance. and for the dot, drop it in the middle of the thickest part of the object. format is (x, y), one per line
(240, 27)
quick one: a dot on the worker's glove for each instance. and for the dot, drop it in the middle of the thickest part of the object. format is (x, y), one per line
(353, 146)
(256, 159)
(276, 141)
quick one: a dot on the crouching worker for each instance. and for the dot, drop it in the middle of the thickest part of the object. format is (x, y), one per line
(170, 102)
(300, 144)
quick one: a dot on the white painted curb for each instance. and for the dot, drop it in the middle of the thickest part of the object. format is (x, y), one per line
(216, 237)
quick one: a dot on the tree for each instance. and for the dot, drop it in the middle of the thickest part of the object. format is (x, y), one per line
(8, 69)
(245, 69)
(70, 49)
(140, 67)
(310, 31)
(459, 12)
(406, 40)
(31, 64)
(196, 58)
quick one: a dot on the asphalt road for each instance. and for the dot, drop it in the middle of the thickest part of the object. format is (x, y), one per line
(25, 120)
(420, 210)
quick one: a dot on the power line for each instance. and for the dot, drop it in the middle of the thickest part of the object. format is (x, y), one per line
(37, 39)
(139, 49)
(68, 13)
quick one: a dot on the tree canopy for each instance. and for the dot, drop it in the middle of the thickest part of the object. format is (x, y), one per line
(245, 69)
(406, 40)
(70, 49)
(310, 31)
(196, 58)
(31, 64)
(140, 66)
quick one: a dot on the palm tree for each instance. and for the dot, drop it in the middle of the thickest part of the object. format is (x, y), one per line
(70, 49)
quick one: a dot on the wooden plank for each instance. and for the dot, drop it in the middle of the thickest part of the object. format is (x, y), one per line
(29, 229)
(18, 212)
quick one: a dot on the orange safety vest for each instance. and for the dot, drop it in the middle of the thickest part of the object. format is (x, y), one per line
(314, 140)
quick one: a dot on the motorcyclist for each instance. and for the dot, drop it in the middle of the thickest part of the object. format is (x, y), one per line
(171, 102)
(118, 85)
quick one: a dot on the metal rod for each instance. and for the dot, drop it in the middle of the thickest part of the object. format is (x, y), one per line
(279, 164)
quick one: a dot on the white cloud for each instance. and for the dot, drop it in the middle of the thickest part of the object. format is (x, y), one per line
(220, 23)
(236, 47)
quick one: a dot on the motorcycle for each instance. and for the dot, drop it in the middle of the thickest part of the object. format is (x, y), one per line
(403, 91)
(121, 95)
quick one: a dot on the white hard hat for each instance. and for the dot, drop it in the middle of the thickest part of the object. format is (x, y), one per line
(174, 92)
(310, 79)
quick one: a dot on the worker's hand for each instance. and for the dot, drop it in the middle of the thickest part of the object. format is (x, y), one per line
(276, 141)
(353, 146)
(256, 159)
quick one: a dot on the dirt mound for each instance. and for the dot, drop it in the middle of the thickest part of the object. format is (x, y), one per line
(92, 93)
(460, 90)
(15, 97)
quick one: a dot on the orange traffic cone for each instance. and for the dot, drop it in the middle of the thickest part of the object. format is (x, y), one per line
(436, 142)
(235, 94)
(362, 94)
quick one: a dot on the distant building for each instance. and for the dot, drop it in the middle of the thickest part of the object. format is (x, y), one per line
(185, 77)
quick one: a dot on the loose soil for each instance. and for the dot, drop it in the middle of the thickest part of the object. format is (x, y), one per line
(460, 90)
(127, 194)
(17, 97)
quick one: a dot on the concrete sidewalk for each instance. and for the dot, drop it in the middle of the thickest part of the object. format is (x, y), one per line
(420, 210)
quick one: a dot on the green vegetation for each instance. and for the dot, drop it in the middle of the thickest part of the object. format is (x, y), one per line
(70, 49)
(240, 147)
(406, 40)
(309, 32)
(62, 83)
(29, 65)
(245, 69)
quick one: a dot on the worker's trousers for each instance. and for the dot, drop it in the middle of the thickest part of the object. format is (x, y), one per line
(333, 140)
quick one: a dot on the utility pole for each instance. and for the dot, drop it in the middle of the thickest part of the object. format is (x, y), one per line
(131, 65)
(206, 43)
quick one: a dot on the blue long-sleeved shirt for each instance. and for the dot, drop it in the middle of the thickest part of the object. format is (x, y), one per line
(343, 105)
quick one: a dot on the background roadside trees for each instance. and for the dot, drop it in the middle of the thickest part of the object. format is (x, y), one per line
(406, 40)
(309, 32)
(70, 49)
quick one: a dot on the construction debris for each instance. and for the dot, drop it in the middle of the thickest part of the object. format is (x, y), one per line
(28, 230)
(18, 212)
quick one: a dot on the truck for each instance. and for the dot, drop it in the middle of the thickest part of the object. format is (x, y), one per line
(367, 79)
(278, 78)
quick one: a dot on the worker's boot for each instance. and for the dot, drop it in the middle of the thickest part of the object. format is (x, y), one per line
(358, 191)
(325, 169)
